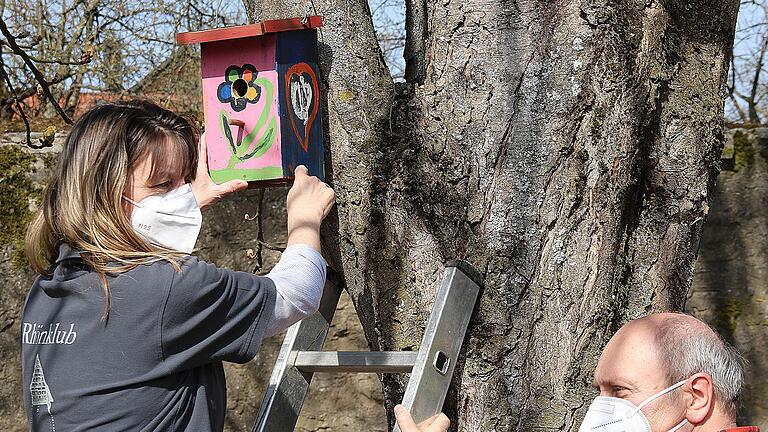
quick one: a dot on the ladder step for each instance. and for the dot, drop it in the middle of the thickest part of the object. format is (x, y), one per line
(356, 361)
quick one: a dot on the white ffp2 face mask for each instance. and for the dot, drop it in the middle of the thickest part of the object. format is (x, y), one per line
(171, 220)
(611, 414)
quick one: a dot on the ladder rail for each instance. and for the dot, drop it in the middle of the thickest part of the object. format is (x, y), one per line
(288, 387)
(431, 368)
(440, 347)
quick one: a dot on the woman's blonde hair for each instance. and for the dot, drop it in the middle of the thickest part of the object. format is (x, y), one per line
(83, 204)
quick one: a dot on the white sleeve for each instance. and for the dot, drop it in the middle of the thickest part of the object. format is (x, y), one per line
(299, 277)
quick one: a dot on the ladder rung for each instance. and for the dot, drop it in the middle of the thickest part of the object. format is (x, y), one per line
(356, 361)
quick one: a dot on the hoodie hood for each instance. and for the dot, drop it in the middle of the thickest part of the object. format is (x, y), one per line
(69, 274)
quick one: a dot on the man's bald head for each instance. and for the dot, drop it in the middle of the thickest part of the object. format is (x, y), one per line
(684, 346)
(678, 356)
(687, 346)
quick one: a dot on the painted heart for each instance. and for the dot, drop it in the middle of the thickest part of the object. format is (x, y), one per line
(301, 97)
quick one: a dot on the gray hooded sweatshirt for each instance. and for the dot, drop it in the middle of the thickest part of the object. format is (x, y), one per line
(156, 363)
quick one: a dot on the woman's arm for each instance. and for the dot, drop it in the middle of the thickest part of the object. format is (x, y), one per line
(299, 278)
(300, 275)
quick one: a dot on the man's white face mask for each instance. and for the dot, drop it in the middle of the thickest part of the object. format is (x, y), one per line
(611, 414)
(171, 220)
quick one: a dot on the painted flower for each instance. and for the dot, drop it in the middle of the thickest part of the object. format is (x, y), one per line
(239, 88)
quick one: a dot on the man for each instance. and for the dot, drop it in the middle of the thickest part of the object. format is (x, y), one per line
(666, 372)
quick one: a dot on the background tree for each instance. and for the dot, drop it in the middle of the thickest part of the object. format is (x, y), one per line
(61, 50)
(566, 149)
(746, 79)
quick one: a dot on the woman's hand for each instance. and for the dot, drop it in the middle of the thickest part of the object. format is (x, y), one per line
(308, 203)
(205, 190)
(436, 423)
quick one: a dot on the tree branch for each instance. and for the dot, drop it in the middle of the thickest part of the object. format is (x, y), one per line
(259, 232)
(752, 102)
(35, 71)
(7, 79)
(416, 34)
(31, 91)
(85, 59)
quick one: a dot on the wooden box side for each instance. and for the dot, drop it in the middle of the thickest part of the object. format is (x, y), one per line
(300, 102)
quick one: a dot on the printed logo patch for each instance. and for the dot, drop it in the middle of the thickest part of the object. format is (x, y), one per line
(40, 392)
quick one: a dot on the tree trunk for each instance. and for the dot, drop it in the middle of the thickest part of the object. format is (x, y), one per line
(566, 149)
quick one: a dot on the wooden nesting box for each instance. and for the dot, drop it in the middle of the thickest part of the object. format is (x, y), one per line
(261, 99)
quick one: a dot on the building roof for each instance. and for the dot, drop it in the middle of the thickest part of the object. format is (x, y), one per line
(257, 29)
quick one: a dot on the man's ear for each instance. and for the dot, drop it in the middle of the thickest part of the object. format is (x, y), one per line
(700, 398)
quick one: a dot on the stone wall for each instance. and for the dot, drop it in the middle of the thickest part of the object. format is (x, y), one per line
(730, 285)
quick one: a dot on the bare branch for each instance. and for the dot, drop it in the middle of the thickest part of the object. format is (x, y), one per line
(85, 59)
(416, 34)
(35, 71)
(27, 128)
(259, 232)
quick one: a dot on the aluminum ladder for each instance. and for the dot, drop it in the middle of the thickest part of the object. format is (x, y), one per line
(431, 367)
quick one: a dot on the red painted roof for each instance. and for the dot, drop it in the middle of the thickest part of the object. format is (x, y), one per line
(260, 28)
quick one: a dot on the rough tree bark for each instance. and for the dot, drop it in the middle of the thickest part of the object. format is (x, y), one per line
(567, 149)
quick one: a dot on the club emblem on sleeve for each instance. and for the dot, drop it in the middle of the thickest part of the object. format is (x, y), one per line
(41, 394)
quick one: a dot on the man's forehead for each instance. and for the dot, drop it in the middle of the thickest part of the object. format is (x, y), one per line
(630, 356)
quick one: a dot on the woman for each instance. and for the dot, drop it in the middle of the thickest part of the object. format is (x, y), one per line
(123, 329)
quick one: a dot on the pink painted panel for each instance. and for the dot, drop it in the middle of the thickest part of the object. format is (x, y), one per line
(242, 122)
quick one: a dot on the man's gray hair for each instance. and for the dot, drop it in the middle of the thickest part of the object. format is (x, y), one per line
(687, 346)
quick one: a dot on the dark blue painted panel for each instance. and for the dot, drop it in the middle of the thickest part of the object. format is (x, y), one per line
(299, 102)
(296, 46)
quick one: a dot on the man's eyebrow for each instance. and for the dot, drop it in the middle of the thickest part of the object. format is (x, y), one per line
(608, 382)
